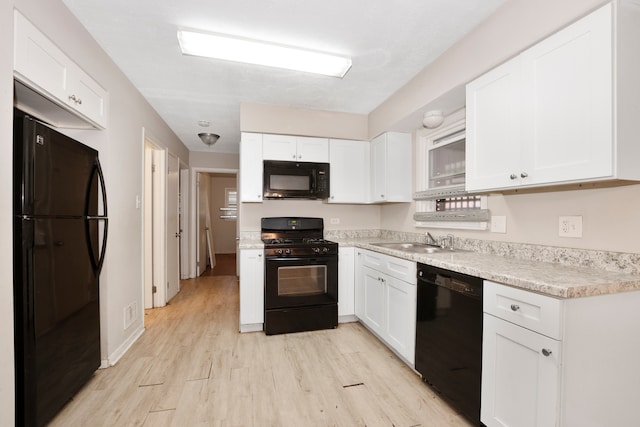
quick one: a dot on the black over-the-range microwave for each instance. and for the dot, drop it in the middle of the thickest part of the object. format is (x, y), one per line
(295, 180)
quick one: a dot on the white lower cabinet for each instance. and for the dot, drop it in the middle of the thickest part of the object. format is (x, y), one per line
(559, 362)
(386, 300)
(251, 289)
(346, 277)
(520, 383)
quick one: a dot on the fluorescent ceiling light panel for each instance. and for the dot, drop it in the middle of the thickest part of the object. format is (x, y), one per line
(260, 53)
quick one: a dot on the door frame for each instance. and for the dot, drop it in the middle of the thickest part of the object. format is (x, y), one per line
(193, 214)
(154, 234)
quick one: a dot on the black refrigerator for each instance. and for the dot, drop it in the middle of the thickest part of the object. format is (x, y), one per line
(60, 227)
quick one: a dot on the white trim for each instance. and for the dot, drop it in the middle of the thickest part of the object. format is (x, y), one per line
(460, 225)
(114, 357)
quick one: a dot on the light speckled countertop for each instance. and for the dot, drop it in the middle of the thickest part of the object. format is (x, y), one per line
(543, 277)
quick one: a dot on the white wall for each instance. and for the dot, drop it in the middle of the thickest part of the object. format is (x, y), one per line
(7, 403)
(120, 148)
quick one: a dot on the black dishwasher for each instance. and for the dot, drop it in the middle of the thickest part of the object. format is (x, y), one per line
(449, 336)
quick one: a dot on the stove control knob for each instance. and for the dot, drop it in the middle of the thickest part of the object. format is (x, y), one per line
(287, 251)
(279, 251)
(316, 250)
(325, 249)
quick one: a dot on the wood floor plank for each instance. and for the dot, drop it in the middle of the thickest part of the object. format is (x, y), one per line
(191, 367)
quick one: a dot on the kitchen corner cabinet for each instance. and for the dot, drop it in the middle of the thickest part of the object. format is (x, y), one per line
(251, 289)
(40, 66)
(559, 362)
(561, 111)
(295, 148)
(391, 170)
(346, 276)
(251, 167)
(349, 160)
(386, 300)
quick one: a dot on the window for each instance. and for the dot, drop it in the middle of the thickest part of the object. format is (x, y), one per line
(441, 199)
(230, 211)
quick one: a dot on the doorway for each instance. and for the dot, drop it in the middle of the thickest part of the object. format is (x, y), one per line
(161, 226)
(214, 220)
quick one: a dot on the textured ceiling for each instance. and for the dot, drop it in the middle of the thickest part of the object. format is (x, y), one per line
(389, 42)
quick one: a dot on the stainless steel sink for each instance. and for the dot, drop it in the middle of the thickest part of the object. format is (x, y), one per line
(413, 247)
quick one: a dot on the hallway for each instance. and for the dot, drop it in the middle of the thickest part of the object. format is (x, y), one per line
(192, 367)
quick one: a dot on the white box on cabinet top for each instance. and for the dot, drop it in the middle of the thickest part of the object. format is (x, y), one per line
(41, 67)
(561, 111)
(295, 148)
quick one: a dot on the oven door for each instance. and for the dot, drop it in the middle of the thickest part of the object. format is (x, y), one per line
(300, 281)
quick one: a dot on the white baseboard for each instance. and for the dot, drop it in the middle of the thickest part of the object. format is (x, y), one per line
(347, 318)
(120, 351)
(251, 327)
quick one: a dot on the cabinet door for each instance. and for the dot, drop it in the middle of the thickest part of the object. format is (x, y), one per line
(310, 149)
(251, 167)
(401, 317)
(399, 171)
(279, 147)
(359, 284)
(520, 384)
(349, 171)
(251, 286)
(89, 98)
(493, 129)
(567, 103)
(374, 300)
(346, 277)
(37, 61)
(378, 169)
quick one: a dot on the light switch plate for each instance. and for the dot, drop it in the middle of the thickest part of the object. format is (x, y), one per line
(498, 224)
(570, 226)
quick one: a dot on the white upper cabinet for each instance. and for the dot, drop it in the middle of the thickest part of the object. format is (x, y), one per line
(391, 170)
(40, 67)
(251, 167)
(295, 148)
(349, 171)
(551, 115)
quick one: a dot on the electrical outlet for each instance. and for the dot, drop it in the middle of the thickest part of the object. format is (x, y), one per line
(570, 226)
(130, 314)
(335, 221)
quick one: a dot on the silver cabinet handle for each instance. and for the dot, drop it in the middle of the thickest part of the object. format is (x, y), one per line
(513, 176)
(524, 175)
(546, 352)
(515, 307)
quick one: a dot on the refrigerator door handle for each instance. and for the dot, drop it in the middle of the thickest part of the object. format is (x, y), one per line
(97, 264)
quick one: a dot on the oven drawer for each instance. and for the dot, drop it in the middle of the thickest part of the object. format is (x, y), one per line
(533, 311)
(396, 267)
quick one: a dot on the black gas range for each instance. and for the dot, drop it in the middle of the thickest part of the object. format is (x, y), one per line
(301, 275)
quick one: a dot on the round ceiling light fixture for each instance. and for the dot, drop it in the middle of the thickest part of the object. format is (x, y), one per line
(432, 119)
(209, 138)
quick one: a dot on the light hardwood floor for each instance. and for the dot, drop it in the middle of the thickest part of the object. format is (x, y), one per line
(191, 367)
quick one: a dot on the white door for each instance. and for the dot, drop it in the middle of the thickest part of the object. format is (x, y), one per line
(173, 227)
(349, 171)
(311, 149)
(374, 300)
(493, 129)
(378, 168)
(567, 98)
(401, 317)
(520, 376)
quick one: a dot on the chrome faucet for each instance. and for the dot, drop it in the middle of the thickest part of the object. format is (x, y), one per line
(447, 242)
(432, 239)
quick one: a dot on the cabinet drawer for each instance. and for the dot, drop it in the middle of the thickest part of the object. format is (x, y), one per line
(536, 312)
(395, 267)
